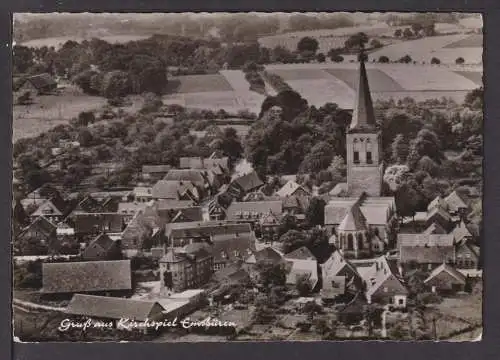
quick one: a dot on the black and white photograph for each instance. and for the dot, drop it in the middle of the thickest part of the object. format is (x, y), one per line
(229, 177)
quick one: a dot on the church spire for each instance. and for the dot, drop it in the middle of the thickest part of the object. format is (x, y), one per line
(363, 117)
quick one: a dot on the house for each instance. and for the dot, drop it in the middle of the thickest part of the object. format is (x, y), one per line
(117, 195)
(37, 238)
(92, 224)
(267, 254)
(244, 184)
(252, 212)
(456, 205)
(107, 308)
(154, 173)
(384, 284)
(461, 233)
(467, 256)
(361, 225)
(88, 205)
(138, 230)
(296, 206)
(186, 268)
(176, 190)
(445, 279)
(426, 250)
(204, 163)
(102, 248)
(93, 277)
(41, 84)
(183, 233)
(129, 209)
(297, 268)
(233, 274)
(302, 253)
(216, 209)
(143, 193)
(48, 210)
(197, 177)
(339, 267)
(291, 188)
(435, 228)
(439, 216)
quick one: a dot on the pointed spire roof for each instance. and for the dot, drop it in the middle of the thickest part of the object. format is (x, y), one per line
(354, 220)
(363, 117)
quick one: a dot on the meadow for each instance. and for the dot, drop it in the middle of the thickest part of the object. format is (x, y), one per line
(49, 111)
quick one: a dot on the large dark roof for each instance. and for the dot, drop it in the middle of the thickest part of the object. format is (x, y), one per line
(41, 81)
(108, 307)
(87, 276)
(249, 181)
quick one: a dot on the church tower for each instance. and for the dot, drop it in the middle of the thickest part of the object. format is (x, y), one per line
(364, 148)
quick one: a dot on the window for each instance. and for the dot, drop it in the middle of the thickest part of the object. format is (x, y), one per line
(400, 301)
(356, 157)
(360, 241)
(350, 242)
(386, 289)
(369, 159)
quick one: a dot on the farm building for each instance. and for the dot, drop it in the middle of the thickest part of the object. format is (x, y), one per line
(445, 279)
(115, 277)
(41, 84)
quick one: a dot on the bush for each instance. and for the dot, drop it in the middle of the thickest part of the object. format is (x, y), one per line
(435, 60)
(321, 58)
(383, 59)
(428, 298)
(460, 60)
(337, 58)
(406, 59)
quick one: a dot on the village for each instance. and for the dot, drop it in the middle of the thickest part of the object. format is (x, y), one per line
(262, 256)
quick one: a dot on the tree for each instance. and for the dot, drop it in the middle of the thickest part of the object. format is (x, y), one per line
(303, 285)
(394, 176)
(85, 118)
(407, 33)
(407, 199)
(370, 314)
(116, 84)
(315, 212)
(416, 27)
(398, 33)
(19, 215)
(336, 58)
(374, 43)
(293, 240)
(400, 149)
(321, 58)
(22, 58)
(426, 143)
(435, 61)
(271, 274)
(406, 59)
(308, 44)
(319, 158)
(428, 165)
(474, 99)
(383, 59)
(85, 137)
(460, 60)
(152, 103)
(356, 41)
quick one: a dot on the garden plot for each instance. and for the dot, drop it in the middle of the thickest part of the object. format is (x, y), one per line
(318, 92)
(428, 78)
(423, 50)
(379, 81)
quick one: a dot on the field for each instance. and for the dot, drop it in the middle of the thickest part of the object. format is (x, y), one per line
(473, 41)
(51, 110)
(327, 38)
(199, 83)
(59, 41)
(328, 82)
(423, 50)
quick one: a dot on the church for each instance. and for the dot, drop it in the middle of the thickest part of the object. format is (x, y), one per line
(358, 217)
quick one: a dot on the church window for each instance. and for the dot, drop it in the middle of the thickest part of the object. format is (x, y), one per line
(356, 157)
(369, 159)
(350, 240)
(360, 241)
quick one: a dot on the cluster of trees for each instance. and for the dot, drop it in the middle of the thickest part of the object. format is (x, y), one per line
(284, 144)
(252, 75)
(416, 30)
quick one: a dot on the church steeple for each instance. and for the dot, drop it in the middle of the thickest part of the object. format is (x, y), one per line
(363, 117)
